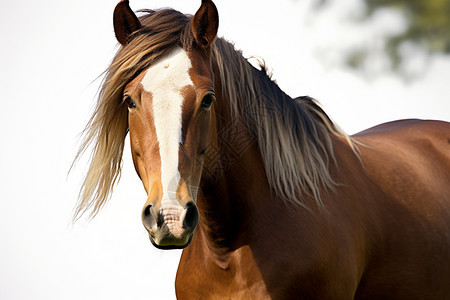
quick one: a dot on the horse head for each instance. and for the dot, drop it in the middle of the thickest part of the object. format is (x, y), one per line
(171, 123)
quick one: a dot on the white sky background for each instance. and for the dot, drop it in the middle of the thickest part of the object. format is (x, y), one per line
(52, 51)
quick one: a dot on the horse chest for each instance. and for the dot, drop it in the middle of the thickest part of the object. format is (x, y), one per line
(239, 278)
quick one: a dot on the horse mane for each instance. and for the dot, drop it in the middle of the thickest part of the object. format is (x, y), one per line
(293, 135)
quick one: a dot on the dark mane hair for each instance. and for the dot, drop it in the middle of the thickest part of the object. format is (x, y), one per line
(293, 136)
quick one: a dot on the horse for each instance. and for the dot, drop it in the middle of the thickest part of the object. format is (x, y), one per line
(266, 196)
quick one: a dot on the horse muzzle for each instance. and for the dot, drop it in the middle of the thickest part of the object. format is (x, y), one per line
(172, 225)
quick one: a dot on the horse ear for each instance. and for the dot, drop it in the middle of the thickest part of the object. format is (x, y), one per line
(125, 21)
(205, 24)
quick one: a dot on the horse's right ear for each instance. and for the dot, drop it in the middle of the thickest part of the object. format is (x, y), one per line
(125, 21)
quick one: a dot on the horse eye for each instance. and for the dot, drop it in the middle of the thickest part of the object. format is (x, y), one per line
(129, 102)
(207, 101)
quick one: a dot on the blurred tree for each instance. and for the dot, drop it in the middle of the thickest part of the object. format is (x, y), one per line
(427, 28)
(428, 25)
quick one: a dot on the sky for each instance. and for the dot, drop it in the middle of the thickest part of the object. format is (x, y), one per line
(52, 55)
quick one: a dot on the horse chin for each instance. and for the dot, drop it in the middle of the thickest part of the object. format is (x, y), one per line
(171, 246)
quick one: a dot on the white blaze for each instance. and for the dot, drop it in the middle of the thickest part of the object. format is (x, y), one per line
(164, 80)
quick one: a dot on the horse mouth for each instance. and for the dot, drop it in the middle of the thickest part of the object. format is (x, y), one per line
(170, 245)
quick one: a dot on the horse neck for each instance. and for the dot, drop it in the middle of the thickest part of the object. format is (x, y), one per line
(235, 187)
(227, 203)
(236, 193)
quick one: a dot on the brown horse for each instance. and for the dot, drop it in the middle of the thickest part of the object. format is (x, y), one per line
(273, 200)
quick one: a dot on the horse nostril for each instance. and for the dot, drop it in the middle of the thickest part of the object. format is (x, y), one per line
(147, 210)
(191, 218)
(148, 218)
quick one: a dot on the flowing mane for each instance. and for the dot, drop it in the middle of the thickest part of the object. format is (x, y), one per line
(293, 135)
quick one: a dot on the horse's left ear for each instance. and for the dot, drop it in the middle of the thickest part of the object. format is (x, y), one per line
(205, 24)
(125, 21)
